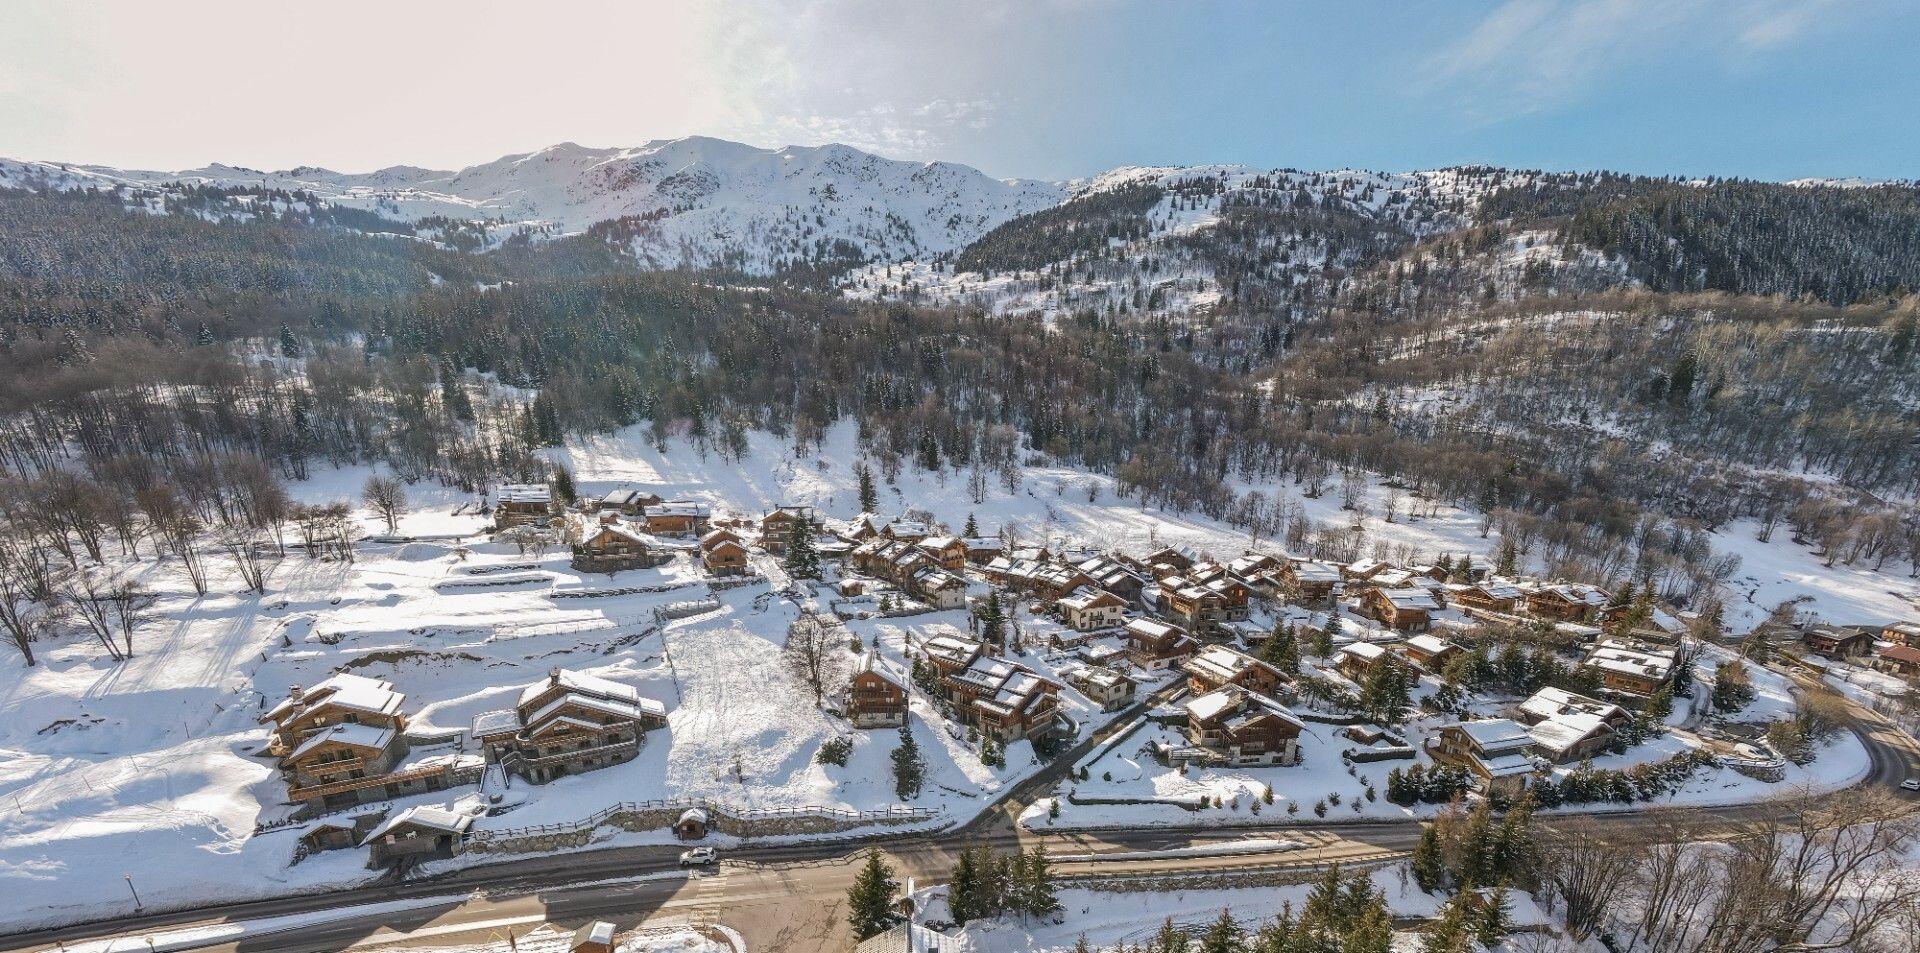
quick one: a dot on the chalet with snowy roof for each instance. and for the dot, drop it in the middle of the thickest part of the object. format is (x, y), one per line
(1218, 666)
(1156, 646)
(1488, 596)
(1169, 559)
(1241, 728)
(723, 554)
(949, 551)
(1568, 727)
(517, 503)
(1194, 607)
(1564, 602)
(1003, 698)
(567, 723)
(1630, 668)
(906, 531)
(1253, 564)
(1312, 583)
(1430, 652)
(419, 833)
(678, 518)
(1363, 570)
(1107, 688)
(1091, 609)
(1497, 752)
(629, 503)
(937, 587)
(1901, 660)
(610, 545)
(776, 527)
(1409, 609)
(984, 549)
(1902, 633)
(1046, 581)
(1114, 576)
(343, 742)
(860, 529)
(1837, 642)
(873, 698)
(1357, 660)
(594, 937)
(342, 699)
(950, 653)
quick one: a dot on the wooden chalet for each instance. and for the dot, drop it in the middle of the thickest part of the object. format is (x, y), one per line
(1567, 603)
(1357, 660)
(515, 504)
(1430, 652)
(1902, 633)
(1091, 609)
(1156, 646)
(1567, 727)
(1114, 576)
(1901, 660)
(949, 654)
(1239, 727)
(629, 503)
(1109, 689)
(874, 699)
(1003, 698)
(568, 723)
(1497, 752)
(1218, 666)
(610, 545)
(1487, 596)
(950, 552)
(1837, 642)
(678, 518)
(776, 527)
(1630, 668)
(1310, 583)
(723, 554)
(1408, 610)
(419, 833)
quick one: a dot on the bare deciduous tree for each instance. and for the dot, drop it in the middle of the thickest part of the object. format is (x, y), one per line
(813, 654)
(388, 497)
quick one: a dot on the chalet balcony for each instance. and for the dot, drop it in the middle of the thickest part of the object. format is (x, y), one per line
(309, 792)
(564, 756)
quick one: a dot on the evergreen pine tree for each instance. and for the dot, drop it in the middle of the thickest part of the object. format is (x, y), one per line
(1041, 897)
(963, 888)
(563, 488)
(870, 899)
(1224, 935)
(803, 561)
(909, 771)
(1452, 930)
(289, 345)
(993, 620)
(1495, 920)
(869, 496)
(1429, 868)
(972, 529)
(205, 338)
(1507, 563)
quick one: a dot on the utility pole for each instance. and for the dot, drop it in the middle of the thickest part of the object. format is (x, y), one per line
(136, 893)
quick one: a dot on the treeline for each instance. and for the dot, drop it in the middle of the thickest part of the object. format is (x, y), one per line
(1835, 244)
(1078, 226)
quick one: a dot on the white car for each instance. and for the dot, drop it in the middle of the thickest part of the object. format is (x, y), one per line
(699, 857)
(1910, 784)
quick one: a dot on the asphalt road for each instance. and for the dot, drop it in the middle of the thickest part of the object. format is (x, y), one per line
(791, 898)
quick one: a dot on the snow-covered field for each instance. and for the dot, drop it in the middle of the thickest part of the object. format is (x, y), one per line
(148, 768)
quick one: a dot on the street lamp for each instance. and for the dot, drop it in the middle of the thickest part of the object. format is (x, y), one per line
(136, 894)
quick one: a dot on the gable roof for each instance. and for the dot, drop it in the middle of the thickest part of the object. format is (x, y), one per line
(368, 737)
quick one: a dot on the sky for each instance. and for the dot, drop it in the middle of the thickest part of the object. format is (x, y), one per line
(1053, 89)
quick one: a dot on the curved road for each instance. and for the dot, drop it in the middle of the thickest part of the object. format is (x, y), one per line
(789, 898)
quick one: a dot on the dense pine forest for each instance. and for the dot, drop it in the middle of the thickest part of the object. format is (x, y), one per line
(1756, 360)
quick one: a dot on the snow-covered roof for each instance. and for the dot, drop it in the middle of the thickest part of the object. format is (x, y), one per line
(524, 493)
(1562, 732)
(343, 690)
(1495, 734)
(1550, 702)
(1213, 704)
(1086, 600)
(677, 508)
(1411, 598)
(693, 814)
(1506, 765)
(1500, 590)
(1430, 644)
(1218, 663)
(423, 815)
(1152, 628)
(985, 544)
(940, 542)
(1364, 651)
(370, 737)
(496, 722)
(580, 682)
(1315, 572)
(1614, 656)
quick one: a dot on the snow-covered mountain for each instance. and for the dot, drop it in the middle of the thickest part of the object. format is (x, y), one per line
(695, 202)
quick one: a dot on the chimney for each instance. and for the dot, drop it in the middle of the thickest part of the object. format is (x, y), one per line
(295, 692)
(553, 675)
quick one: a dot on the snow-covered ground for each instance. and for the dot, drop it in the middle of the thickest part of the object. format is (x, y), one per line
(148, 767)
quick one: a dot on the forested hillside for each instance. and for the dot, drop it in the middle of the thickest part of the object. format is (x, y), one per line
(1498, 359)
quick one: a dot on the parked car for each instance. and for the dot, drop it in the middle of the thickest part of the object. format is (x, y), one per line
(1910, 784)
(699, 857)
